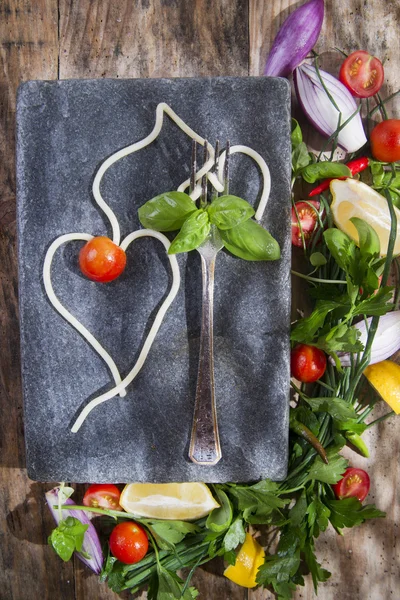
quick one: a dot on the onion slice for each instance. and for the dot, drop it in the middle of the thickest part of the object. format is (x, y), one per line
(386, 341)
(295, 39)
(91, 542)
(321, 111)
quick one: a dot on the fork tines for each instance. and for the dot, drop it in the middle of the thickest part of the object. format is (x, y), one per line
(193, 170)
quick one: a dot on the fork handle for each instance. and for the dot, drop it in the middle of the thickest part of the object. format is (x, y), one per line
(205, 447)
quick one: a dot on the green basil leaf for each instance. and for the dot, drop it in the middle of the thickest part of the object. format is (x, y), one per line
(166, 212)
(296, 136)
(342, 248)
(62, 543)
(250, 241)
(300, 157)
(193, 233)
(368, 240)
(229, 211)
(317, 259)
(324, 170)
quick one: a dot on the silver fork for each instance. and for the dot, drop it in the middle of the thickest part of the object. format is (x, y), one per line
(205, 448)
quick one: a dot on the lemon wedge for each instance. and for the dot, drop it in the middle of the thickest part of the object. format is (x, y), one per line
(384, 376)
(250, 558)
(174, 501)
(352, 198)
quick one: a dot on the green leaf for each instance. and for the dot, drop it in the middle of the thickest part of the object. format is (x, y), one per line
(277, 569)
(63, 544)
(298, 512)
(305, 416)
(328, 473)
(166, 212)
(368, 240)
(229, 211)
(300, 157)
(171, 532)
(68, 537)
(352, 426)
(342, 248)
(317, 516)
(317, 259)
(220, 518)
(377, 305)
(235, 535)
(349, 512)
(305, 329)
(296, 136)
(169, 586)
(258, 502)
(250, 241)
(193, 233)
(341, 338)
(377, 173)
(324, 170)
(318, 574)
(230, 557)
(338, 408)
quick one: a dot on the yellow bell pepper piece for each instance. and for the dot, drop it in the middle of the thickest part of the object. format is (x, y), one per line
(385, 378)
(250, 558)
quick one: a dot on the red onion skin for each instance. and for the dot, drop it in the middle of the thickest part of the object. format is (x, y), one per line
(91, 543)
(295, 39)
(327, 131)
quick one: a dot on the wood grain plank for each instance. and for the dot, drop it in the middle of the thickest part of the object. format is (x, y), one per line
(162, 38)
(365, 562)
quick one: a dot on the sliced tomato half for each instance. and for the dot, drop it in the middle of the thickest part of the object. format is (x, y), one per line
(102, 495)
(354, 484)
(362, 74)
(305, 221)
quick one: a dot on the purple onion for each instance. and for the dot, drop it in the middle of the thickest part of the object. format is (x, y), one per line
(322, 113)
(91, 543)
(295, 39)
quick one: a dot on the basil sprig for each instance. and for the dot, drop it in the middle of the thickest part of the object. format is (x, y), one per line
(193, 232)
(250, 241)
(231, 215)
(166, 212)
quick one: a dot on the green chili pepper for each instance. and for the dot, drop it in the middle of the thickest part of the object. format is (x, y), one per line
(303, 431)
(357, 441)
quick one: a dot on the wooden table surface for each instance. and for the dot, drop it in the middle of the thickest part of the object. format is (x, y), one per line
(50, 39)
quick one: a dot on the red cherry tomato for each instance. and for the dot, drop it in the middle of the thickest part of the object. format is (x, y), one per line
(362, 74)
(385, 141)
(355, 484)
(102, 495)
(128, 542)
(308, 220)
(307, 363)
(102, 260)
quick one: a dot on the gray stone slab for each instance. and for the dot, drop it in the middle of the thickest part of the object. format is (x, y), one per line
(65, 129)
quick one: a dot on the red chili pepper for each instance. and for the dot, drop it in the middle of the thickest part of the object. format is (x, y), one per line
(355, 166)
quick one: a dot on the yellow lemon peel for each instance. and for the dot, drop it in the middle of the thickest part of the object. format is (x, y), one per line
(250, 558)
(174, 501)
(384, 377)
(352, 198)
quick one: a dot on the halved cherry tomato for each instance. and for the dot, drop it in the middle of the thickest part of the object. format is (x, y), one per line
(385, 141)
(354, 484)
(128, 542)
(102, 260)
(102, 495)
(308, 220)
(307, 363)
(362, 74)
